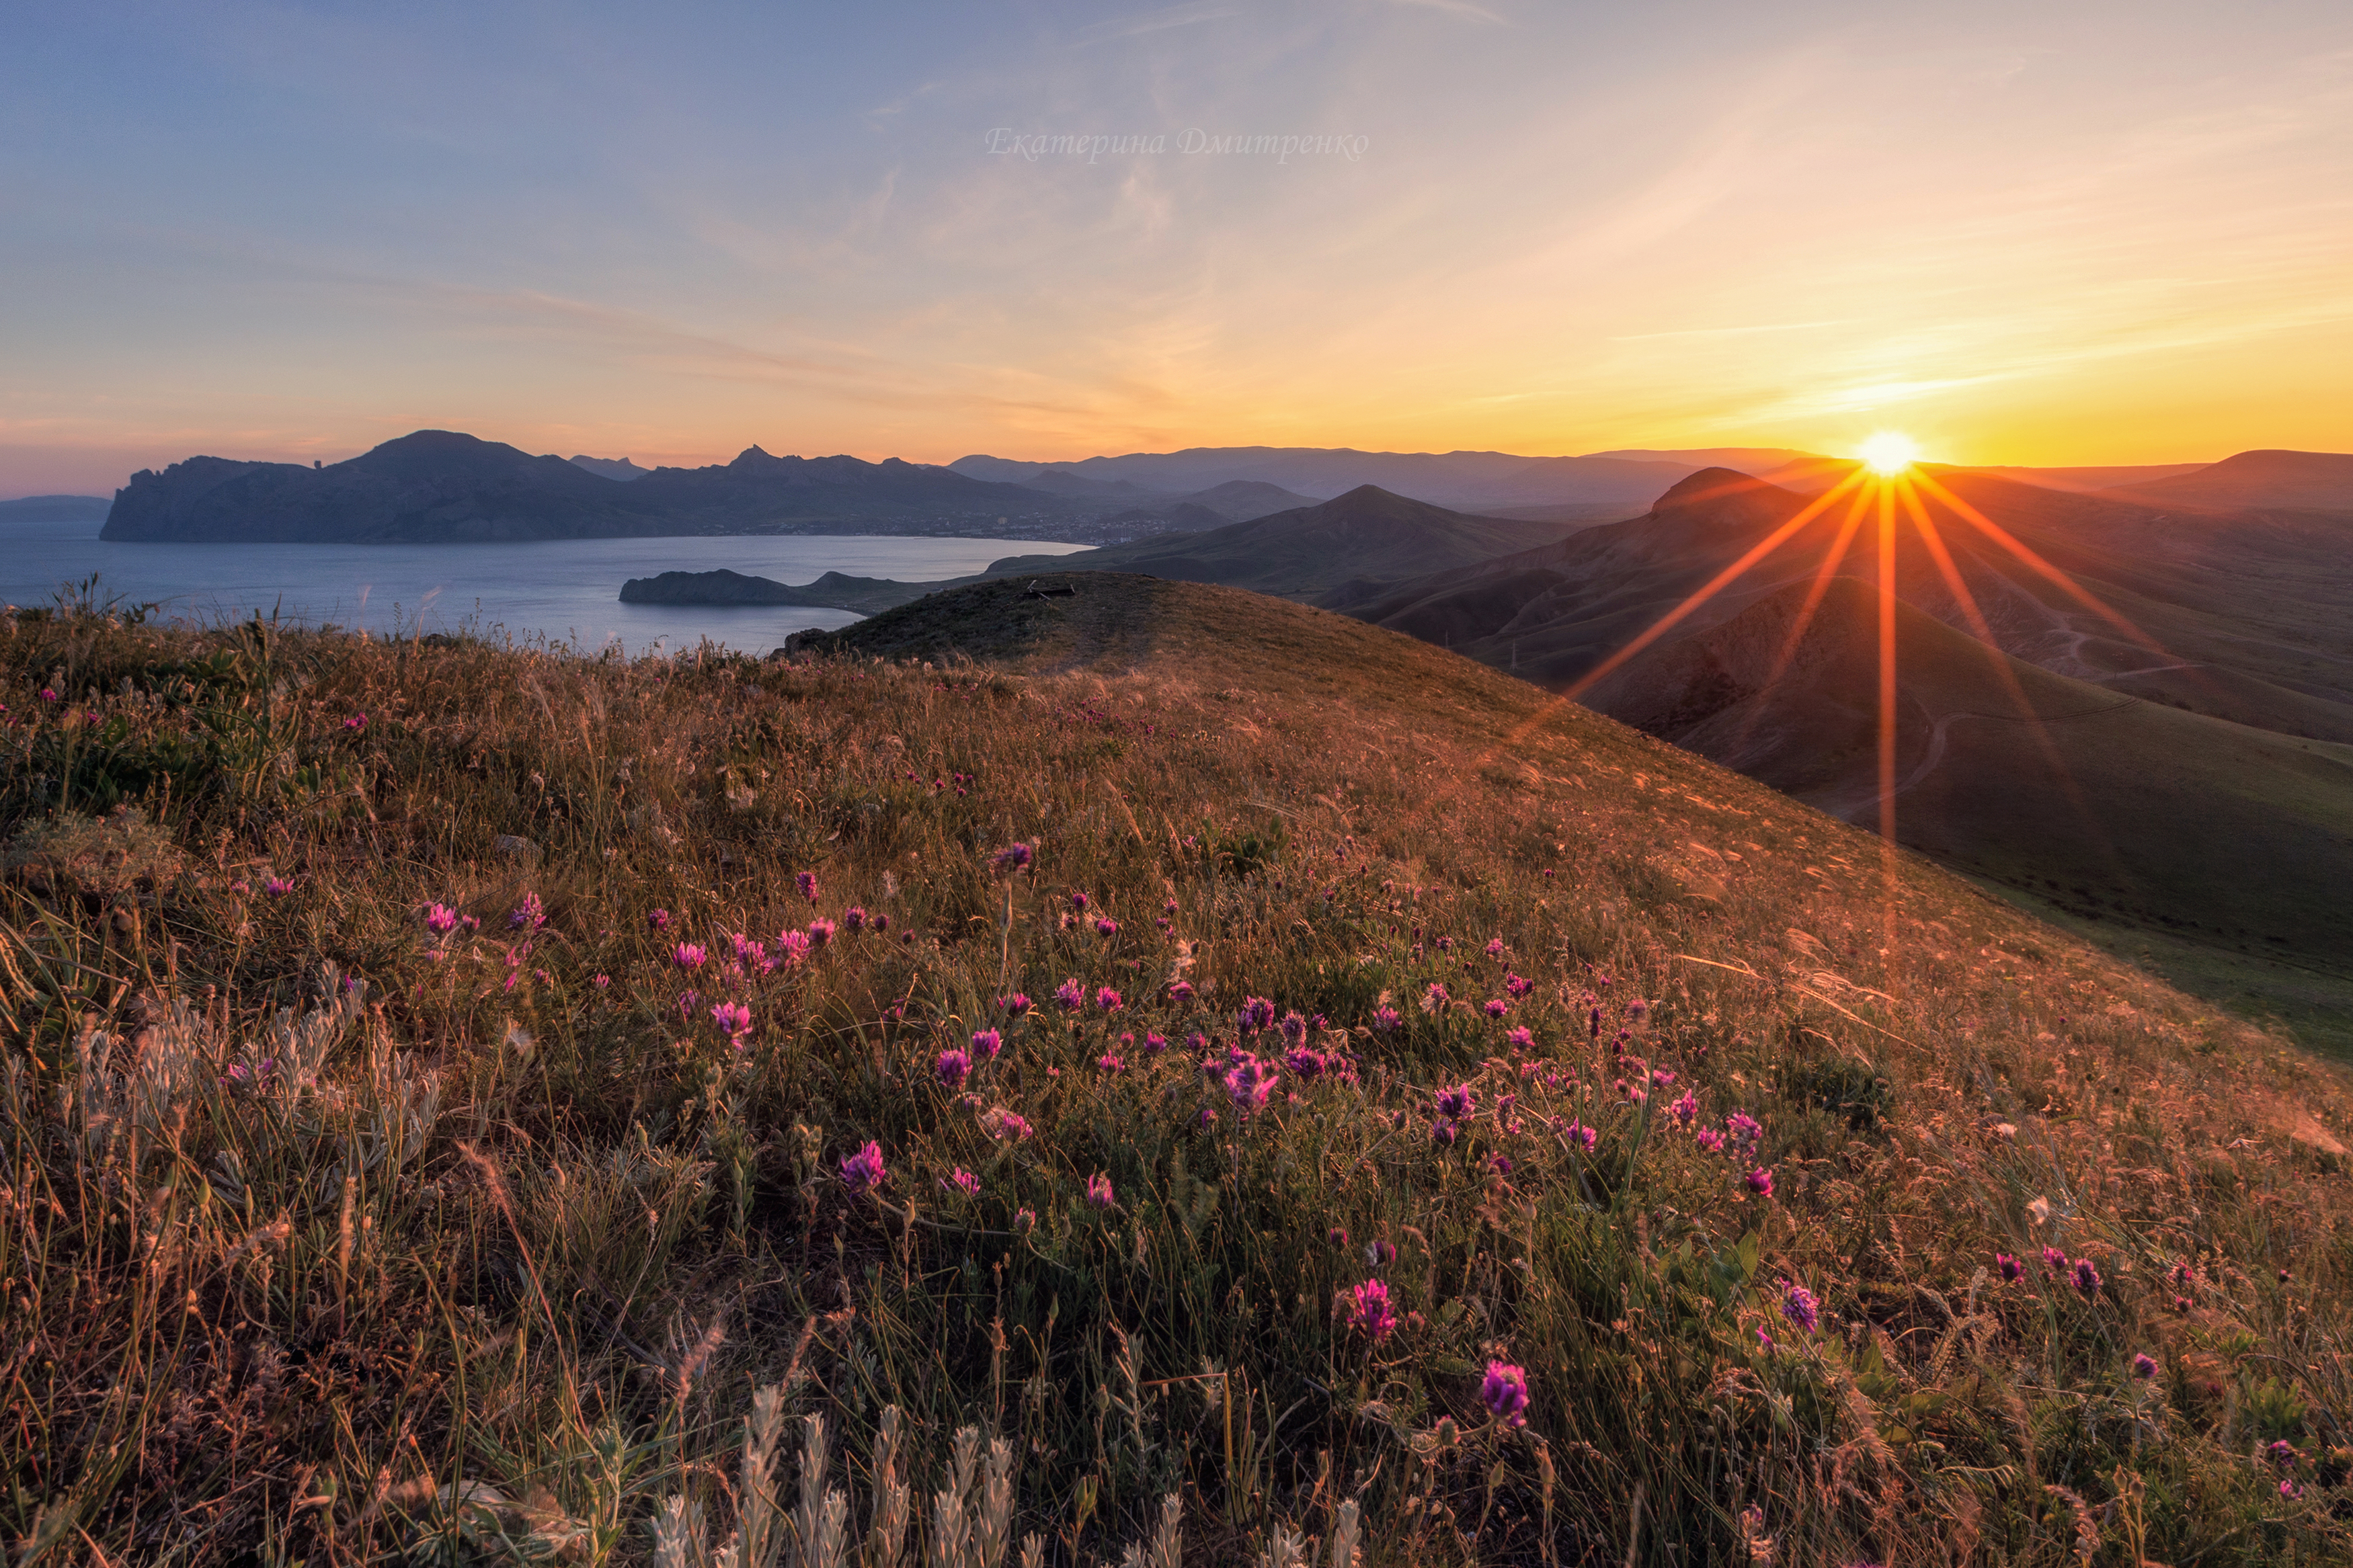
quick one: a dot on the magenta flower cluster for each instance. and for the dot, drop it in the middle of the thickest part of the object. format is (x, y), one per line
(1370, 1312)
(864, 1170)
(1504, 1393)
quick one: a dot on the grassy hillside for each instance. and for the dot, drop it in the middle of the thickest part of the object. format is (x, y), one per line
(391, 1176)
(2129, 816)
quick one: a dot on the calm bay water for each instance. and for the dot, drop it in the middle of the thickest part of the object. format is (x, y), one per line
(564, 590)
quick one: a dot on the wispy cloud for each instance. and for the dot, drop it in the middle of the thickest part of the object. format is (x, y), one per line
(1462, 8)
(1160, 21)
(1728, 332)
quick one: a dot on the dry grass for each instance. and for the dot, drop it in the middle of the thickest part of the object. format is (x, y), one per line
(327, 1238)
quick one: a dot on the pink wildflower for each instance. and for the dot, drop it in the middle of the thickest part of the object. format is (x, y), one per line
(1505, 1393)
(1369, 1310)
(864, 1169)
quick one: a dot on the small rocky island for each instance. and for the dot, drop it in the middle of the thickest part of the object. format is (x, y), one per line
(834, 591)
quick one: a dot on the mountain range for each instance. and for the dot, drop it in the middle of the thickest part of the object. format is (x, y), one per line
(444, 487)
(441, 487)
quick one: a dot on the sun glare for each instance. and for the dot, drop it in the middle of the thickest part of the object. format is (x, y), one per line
(1888, 454)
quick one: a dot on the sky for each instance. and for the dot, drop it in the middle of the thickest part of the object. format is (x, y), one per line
(2021, 233)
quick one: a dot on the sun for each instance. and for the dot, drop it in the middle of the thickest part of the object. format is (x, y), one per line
(1888, 454)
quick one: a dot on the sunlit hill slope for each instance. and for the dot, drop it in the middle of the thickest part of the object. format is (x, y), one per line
(1623, 1162)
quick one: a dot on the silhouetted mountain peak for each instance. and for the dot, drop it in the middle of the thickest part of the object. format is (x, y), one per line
(1708, 485)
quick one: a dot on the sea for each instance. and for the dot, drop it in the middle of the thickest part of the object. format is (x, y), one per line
(559, 592)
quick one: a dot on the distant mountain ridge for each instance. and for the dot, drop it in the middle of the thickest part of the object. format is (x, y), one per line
(2319, 481)
(54, 509)
(1457, 481)
(610, 467)
(443, 487)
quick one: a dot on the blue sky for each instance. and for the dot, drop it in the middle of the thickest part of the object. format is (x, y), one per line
(2027, 232)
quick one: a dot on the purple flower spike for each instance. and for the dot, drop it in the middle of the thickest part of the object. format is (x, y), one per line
(863, 1171)
(1798, 1305)
(1099, 1193)
(1505, 1393)
(1369, 1310)
(954, 1066)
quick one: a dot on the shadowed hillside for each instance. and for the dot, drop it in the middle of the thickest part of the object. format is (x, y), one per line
(1310, 551)
(2114, 810)
(2313, 481)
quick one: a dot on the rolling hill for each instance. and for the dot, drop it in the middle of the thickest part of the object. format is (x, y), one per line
(2312, 482)
(1367, 533)
(2231, 660)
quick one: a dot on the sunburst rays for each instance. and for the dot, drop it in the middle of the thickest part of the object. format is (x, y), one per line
(1891, 493)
